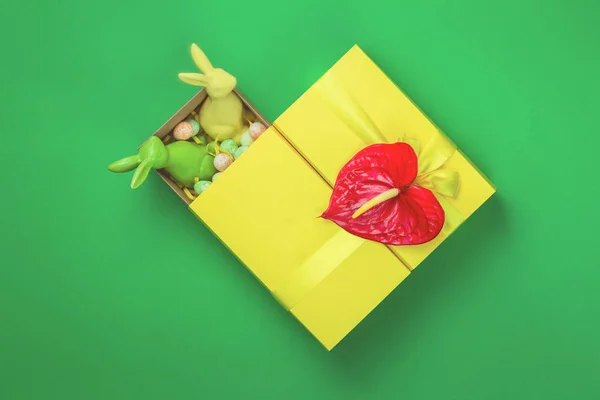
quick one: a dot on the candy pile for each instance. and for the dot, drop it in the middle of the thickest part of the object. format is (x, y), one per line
(186, 129)
(224, 153)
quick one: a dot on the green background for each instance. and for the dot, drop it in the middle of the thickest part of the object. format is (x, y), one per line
(109, 293)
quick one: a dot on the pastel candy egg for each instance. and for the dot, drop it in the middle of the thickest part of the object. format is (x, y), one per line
(183, 131)
(246, 139)
(201, 186)
(222, 161)
(215, 176)
(229, 146)
(239, 151)
(195, 126)
(256, 129)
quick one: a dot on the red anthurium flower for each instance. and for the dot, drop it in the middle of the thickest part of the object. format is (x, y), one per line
(374, 197)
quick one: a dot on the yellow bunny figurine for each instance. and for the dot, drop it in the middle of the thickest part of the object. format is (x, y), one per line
(221, 114)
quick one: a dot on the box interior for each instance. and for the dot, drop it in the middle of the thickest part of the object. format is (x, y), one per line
(165, 132)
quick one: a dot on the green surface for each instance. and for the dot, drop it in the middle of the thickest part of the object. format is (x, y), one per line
(94, 305)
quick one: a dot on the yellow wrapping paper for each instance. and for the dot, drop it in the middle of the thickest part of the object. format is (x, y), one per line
(274, 193)
(386, 114)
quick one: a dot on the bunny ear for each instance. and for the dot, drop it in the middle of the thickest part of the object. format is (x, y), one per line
(141, 173)
(194, 79)
(125, 164)
(201, 60)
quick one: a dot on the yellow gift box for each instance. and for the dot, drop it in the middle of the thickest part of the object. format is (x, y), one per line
(327, 278)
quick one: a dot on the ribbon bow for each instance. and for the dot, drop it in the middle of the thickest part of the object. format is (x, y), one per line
(434, 175)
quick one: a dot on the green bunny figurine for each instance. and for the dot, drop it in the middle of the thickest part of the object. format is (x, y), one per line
(221, 115)
(184, 161)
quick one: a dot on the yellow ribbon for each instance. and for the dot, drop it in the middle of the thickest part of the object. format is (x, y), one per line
(347, 109)
(317, 267)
